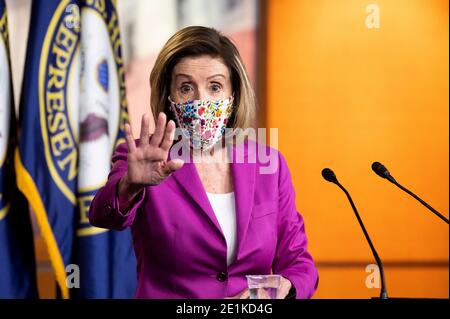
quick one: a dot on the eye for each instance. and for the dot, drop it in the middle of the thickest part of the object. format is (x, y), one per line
(184, 89)
(216, 87)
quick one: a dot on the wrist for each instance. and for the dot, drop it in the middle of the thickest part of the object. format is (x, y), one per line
(127, 191)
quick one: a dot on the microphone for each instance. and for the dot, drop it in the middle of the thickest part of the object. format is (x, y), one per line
(329, 176)
(382, 171)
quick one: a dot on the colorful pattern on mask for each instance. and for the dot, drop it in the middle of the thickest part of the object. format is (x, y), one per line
(203, 122)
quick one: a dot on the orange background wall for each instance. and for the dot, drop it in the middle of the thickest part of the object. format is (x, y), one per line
(343, 96)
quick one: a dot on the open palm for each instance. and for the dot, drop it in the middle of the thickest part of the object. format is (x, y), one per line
(147, 161)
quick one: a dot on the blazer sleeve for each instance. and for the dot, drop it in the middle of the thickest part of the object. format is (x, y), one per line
(292, 259)
(104, 211)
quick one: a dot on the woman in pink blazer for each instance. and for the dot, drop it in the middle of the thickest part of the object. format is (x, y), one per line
(202, 222)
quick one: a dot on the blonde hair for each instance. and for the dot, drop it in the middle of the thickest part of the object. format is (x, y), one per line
(195, 41)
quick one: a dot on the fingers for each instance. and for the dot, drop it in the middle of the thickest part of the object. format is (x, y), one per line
(285, 287)
(163, 135)
(159, 130)
(245, 294)
(168, 136)
(144, 130)
(263, 293)
(129, 138)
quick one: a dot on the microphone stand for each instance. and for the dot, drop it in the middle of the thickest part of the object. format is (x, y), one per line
(420, 200)
(383, 172)
(383, 293)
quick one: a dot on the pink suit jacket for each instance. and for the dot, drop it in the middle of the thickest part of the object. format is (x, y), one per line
(180, 249)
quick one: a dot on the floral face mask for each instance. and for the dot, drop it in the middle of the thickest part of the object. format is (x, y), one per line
(203, 122)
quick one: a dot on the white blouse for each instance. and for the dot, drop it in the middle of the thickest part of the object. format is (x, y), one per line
(224, 207)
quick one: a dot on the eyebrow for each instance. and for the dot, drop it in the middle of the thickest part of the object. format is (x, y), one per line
(209, 77)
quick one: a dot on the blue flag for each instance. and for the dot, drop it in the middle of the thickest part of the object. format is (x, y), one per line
(17, 263)
(73, 114)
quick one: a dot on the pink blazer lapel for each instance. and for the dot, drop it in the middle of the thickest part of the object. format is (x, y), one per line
(244, 189)
(243, 176)
(190, 181)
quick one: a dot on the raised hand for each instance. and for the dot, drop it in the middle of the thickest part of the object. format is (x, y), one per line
(147, 162)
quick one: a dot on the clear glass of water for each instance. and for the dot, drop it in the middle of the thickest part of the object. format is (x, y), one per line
(263, 286)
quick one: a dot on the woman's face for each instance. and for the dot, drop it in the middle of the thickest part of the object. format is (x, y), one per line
(200, 78)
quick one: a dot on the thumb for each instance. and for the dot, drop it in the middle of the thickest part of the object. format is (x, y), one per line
(174, 165)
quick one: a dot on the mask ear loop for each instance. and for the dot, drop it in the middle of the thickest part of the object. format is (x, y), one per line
(172, 106)
(229, 131)
(231, 98)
